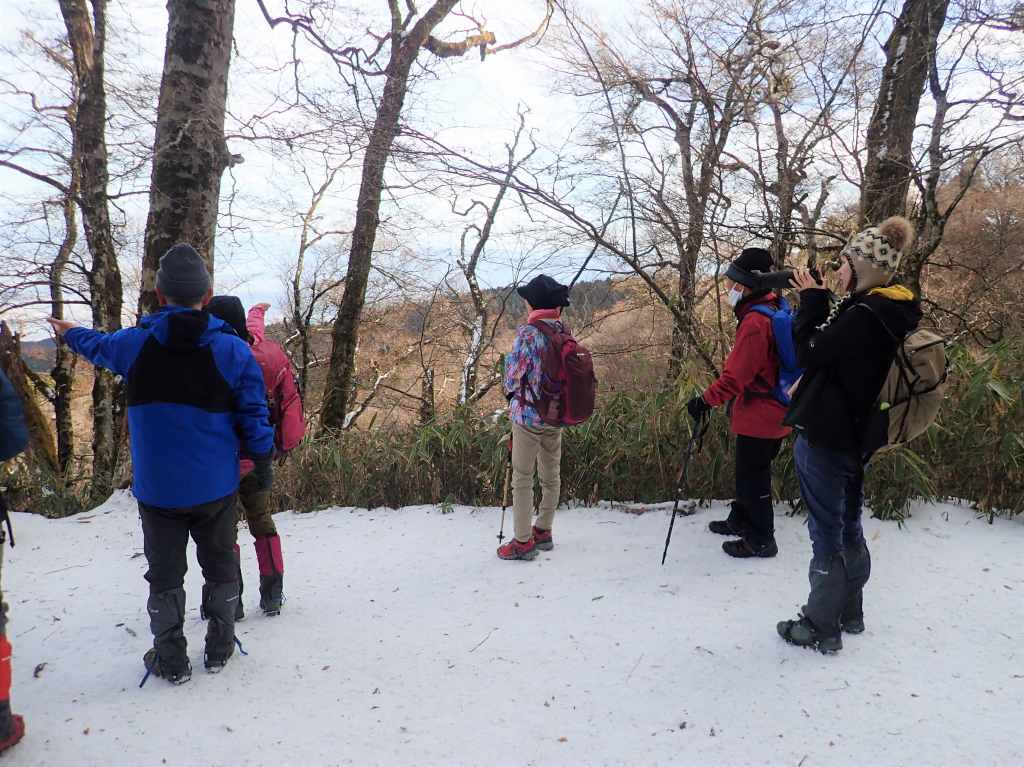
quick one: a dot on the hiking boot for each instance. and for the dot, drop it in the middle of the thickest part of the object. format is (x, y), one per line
(219, 648)
(858, 571)
(516, 549)
(175, 669)
(803, 633)
(271, 562)
(219, 601)
(542, 539)
(271, 593)
(733, 524)
(167, 620)
(12, 727)
(745, 548)
(723, 527)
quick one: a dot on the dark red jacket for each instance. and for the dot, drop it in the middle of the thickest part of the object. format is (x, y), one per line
(282, 393)
(750, 374)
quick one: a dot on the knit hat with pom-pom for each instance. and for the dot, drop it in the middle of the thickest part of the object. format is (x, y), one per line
(875, 253)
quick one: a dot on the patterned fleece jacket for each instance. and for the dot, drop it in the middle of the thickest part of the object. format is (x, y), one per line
(524, 369)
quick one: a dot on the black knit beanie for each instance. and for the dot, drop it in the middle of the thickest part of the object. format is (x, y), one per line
(183, 275)
(230, 309)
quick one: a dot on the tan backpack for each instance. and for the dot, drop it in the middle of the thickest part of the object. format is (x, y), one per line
(913, 391)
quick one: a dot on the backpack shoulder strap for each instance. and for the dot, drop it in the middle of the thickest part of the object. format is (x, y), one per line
(881, 321)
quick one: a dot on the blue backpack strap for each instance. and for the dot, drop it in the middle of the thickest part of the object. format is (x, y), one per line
(785, 347)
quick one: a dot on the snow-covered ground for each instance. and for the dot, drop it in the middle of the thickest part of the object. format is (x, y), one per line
(405, 641)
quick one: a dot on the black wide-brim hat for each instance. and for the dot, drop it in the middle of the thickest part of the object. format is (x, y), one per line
(751, 261)
(543, 292)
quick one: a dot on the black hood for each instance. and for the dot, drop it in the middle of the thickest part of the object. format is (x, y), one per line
(230, 309)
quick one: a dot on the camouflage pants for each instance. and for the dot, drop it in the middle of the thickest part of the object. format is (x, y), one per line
(254, 507)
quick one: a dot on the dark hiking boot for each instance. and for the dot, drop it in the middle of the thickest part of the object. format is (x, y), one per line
(723, 527)
(12, 727)
(271, 562)
(827, 598)
(271, 593)
(166, 621)
(731, 525)
(858, 572)
(176, 670)
(542, 539)
(852, 619)
(220, 599)
(803, 633)
(745, 548)
(516, 549)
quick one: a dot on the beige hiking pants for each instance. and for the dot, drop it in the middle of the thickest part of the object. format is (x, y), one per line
(540, 447)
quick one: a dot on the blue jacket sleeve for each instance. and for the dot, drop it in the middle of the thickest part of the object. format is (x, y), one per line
(114, 351)
(13, 432)
(252, 419)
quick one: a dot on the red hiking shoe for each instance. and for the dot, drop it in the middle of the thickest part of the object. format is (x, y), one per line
(17, 733)
(516, 549)
(542, 539)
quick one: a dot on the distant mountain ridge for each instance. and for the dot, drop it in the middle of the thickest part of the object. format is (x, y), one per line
(39, 355)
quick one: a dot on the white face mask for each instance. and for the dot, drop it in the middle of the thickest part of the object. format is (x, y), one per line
(735, 296)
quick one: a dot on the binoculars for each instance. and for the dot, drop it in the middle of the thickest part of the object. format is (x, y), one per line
(767, 280)
(778, 280)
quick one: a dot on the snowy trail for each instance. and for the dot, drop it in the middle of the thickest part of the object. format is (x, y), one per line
(405, 641)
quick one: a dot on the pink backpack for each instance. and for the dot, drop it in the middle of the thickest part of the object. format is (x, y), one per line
(568, 385)
(283, 397)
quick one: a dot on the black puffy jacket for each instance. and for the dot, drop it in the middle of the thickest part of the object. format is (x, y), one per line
(846, 363)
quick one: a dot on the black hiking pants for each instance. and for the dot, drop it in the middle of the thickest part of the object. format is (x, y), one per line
(165, 535)
(754, 457)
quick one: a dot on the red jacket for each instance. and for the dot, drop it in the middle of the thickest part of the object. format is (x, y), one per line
(750, 374)
(282, 393)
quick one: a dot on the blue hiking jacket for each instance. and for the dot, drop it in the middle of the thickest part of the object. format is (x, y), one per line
(13, 432)
(196, 401)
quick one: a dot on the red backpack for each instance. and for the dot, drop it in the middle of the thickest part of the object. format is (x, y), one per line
(568, 384)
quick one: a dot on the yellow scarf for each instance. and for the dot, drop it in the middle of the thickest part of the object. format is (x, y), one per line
(893, 292)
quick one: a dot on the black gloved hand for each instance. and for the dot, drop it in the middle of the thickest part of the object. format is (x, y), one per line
(697, 407)
(264, 473)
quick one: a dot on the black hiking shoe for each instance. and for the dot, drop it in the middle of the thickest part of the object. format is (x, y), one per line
(744, 548)
(803, 633)
(174, 670)
(723, 527)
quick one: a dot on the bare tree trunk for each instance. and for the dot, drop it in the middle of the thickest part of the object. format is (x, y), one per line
(910, 47)
(87, 38)
(190, 153)
(345, 334)
(64, 363)
(428, 409)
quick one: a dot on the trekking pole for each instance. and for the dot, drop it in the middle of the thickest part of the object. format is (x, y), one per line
(694, 445)
(504, 494)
